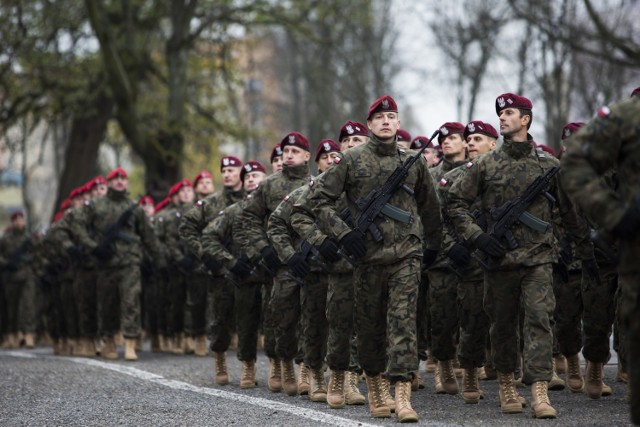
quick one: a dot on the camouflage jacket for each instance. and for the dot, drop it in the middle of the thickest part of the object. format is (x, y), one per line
(16, 248)
(365, 168)
(217, 237)
(166, 227)
(610, 140)
(251, 231)
(202, 213)
(501, 176)
(98, 215)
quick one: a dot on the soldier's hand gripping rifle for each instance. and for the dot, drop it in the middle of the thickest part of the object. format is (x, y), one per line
(376, 203)
(106, 249)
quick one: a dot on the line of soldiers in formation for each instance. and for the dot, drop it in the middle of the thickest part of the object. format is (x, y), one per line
(381, 261)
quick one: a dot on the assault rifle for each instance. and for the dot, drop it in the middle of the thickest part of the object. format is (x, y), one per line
(106, 249)
(376, 203)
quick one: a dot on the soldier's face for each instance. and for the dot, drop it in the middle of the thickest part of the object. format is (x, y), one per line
(231, 176)
(276, 164)
(205, 186)
(186, 195)
(252, 180)
(352, 141)
(76, 202)
(325, 160)
(18, 222)
(384, 124)
(119, 183)
(99, 190)
(295, 156)
(431, 156)
(479, 144)
(511, 122)
(149, 209)
(453, 145)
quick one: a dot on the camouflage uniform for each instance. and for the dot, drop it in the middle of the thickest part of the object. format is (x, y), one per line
(610, 140)
(293, 301)
(387, 280)
(219, 291)
(524, 274)
(118, 285)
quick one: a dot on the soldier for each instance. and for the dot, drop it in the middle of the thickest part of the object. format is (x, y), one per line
(276, 159)
(431, 154)
(403, 138)
(352, 134)
(387, 278)
(219, 245)
(203, 184)
(253, 240)
(522, 273)
(149, 281)
(611, 140)
(119, 228)
(219, 290)
(481, 138)
(161, 294)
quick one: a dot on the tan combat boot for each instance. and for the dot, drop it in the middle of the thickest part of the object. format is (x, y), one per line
(377, 405)
(561, 364)
(222, 376)
(79, 350)
(404, 411)
(456, 368)
(540, 405)
(606, 390)
(140, 341)
(593, 385)
(178, 343)
(556, 382)
(248, 378)
(575, 382)
(189, 345)
(335, 394)
(386, 394)
(155, 343)
(200, 346)
(109, 349)
(130, 349)
(430, 364)
(437, 381)
(274, 383)
(448, 377)
(14, 340)
(352, 394)
(621, 375)
(318, 390)
(91, 347)
(509, 402)
(417, 382)
(289, 384)
(470, 386)
(304, 380)
(29, 340)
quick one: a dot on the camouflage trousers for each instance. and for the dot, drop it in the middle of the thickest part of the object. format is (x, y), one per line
(150, 302)
(195, 322)
(630, 323)
(220, 302)
(567, 316)
(424, 317)
(506, 293)
(248, 302)
(289, 302)
(13, 290)
(342, 352)
(268, 326)
(386, 299)
(177, 292)
(161, 297)
(474, 324)
(68, 304)
(443, 289)
(86, 299)
(599, 313)
(118, 292)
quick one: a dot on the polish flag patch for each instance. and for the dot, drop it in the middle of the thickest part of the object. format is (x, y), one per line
(604, 112)
(443, 182)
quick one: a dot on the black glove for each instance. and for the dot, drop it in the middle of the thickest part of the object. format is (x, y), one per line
(76, 253)
(630, 222)
(212, 265)
(489, 245)
(459, 254)
(103, 252)
(354, 243)
(590, 266)
(330, 250)
(242, 267)
(428, 258)
(298, 265)
(270, 258)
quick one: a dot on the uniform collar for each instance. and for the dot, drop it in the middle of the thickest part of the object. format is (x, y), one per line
(117, 195)
(519, 149)
(295, 171)
(448, 165)
(383, 148)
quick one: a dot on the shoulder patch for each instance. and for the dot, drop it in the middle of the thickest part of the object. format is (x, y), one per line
(248, 197)
(311, 183)
(200, 203)
(336, 160)
(604, 112)
(401, 150)
(160, 219)
(286, 198)
(443, 182)
(221, 213)
(468, 165)
(87, 202)
(178, 214)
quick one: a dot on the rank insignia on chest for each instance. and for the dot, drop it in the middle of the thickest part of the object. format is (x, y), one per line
(443, 182)
(604, 111)
(468, 165)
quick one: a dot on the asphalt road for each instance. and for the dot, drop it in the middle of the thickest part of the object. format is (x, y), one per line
(40, 389)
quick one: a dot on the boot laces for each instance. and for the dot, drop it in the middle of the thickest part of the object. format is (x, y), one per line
(509, 388)
(318, 378)
(469, 378)
(574, 368)
(289, 373)
(353, 382)
(379, 389)
(447, 371)
(541, 392)
(402, 392)
(249, 369)
(221, 363)
(304, 374)
(338, 382)
(595, 372)
(384, 385)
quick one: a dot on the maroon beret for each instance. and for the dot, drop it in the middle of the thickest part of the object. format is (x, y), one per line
(419, 142)
(66, 204)
(636, 91)
(202, 175)
(450, 128)
(117, 172)
(98, 180)
(384, 103)
(252, 166)
(511, 100)
(57, 217)
(352, 128)
(163, 204)
(230, 161)
(570, 128)
(146, 200)
(477, 126)
(326, 146)
(76, 192)
(403, 135)
(175, 189)
(276, 152)
(17, 214)
(296, 139)
(547, 149)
